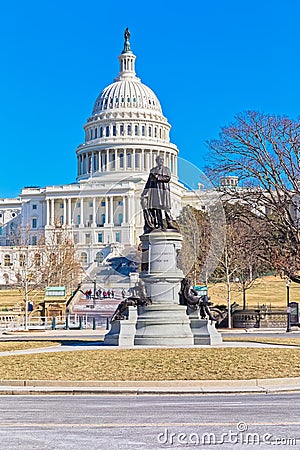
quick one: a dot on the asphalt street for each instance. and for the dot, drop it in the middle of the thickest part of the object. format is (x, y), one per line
(150, 422)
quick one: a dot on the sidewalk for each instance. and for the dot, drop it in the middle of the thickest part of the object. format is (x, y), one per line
(184, 387)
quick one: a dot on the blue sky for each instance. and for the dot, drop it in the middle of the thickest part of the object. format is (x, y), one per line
(205, 60)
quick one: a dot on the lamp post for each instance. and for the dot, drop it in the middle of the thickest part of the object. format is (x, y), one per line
(94, 293)
(288, 308)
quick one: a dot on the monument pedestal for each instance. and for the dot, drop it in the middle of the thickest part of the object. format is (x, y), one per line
(122, 332)
(203, 330)
(164, 322)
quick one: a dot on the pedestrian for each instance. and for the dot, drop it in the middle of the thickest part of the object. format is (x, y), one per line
(123, 293)
(104, 294)
(112, 293)
(108, 293)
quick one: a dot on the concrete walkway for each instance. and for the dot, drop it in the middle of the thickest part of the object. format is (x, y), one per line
(100, 346)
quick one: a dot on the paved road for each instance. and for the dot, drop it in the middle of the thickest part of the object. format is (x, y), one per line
(146, 422)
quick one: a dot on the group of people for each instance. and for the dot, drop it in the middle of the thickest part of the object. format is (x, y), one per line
(109, 293)
(100, 293)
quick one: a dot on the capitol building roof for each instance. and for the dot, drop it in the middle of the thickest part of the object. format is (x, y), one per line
(127, 91)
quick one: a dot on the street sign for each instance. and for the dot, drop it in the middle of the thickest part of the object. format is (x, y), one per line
(294, 311)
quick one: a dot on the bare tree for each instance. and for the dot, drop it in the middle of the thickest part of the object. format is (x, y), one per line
(52, 262)
(60, 261)
(263, 152)
(195, 228)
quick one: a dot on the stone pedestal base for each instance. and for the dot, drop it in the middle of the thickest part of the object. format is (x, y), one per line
(163, 325)
(122, 332)
(203, 331)
(164, 322)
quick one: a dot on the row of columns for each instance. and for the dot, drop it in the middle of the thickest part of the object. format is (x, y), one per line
(106, 131)
(128, 210)
(111, 160)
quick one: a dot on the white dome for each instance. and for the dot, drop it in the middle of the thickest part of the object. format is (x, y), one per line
(127, 93)
(127, 128)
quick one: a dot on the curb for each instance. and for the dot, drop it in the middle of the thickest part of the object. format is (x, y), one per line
(205, 387)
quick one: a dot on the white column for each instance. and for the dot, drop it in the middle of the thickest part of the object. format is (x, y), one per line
(107, 160)
(129, 209)
(106, 210)
(81, 212)
(175, 165)
(142, 160)
(151, 160)
(69, 211)
(125, 159)
(52, 211)
(116, 160)
(111, 209)
(48, 212)
(65, 211)
(102, 162)
(92, 163)
(172, 163)
(124, 209)
(99, 161)
(94, 212)
(133, 160)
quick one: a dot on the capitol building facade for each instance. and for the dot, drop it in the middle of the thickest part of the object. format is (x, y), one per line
(123, 136)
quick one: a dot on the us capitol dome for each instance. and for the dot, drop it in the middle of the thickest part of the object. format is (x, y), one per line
(127, 128)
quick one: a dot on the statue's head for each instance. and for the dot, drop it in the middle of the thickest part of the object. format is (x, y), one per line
(159, 160)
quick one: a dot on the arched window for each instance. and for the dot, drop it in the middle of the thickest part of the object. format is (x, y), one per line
(107, 131)
(143, 130)
(7, 260)
(155, 132)
(96, 132)
(121, 161)
(129, 130)
(149, 131)
(99, 257)
(136, 130)
(101, 132)
(114, 130)
(128, 159)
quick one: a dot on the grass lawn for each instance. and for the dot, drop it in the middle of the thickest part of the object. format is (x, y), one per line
(154, 364)
(267, 290)
(295, 342)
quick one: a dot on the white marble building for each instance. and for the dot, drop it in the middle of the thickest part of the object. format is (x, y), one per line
(123, 136)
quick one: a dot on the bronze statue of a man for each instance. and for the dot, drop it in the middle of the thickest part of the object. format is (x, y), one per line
(156, 198)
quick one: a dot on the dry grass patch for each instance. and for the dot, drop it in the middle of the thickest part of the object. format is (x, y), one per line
(295, 342)
(10, 346)
(154, 364)
(267, 290)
